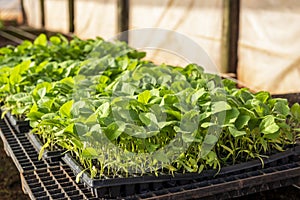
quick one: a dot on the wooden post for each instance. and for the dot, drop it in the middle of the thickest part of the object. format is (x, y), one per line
(123, 19)
(42, 7)
(230, 35)
(71, 16)
(24, 16)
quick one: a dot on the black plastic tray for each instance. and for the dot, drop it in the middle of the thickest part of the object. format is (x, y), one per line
(18, 147)
(229, 187)
(20, 126)
(121, 186)
(56, 182)
(41, 179)
(52, 156)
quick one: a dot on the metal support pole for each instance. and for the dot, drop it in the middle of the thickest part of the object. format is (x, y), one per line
(123, 19)
(42, 7)
(71, 16)
(230, 35)
(24, 16)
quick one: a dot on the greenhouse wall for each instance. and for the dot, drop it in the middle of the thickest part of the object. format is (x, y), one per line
(96, 18)
(269, 46)
(201, 21)
(57, 15)
(33, 13)
(10, 10)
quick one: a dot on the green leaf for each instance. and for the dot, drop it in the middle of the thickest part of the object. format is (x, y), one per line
(161, 125)
(282, 108)
(24, 66)
(55, 40)
(48, 116)
(139, 131)
(261, 109)
(289, 135)
(272, 136)
(15, 76)
(207, 124)
(96, 128)
(114, 130)
(76, 142)
(187, 137)
(246, 111)
(169, 99)
(295, 110)
(231, 116)
(104, 110)
(69, 128)
(161, 156)
(91, 119)
(235, 133)
(137, 54)
(210, 139)
(80, 128)
(148, 119)
(242, 121)
(126, 88)
(42, 92)
(174, 113)
(41, 40)
(59, 133)
(227, 149)
(262, 96)
(204, 115)
(268, 125)
(79, 175)
(211, 156)
(197, 95)
(89, 153)
(144, 97)
(220, 106)
(264, 144)
(5, 50)
(39, 92)
(253, 123)
(34, 115)
(41, 153)
(65, 109)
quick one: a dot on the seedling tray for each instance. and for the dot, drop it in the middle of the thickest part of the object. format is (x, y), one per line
(108, 187)
(19, 148)
(19, 125)
(41, 179)
(228, 187)
(56, 182)
(52, 156)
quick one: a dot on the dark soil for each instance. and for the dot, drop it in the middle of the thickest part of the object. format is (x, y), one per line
(10, 183)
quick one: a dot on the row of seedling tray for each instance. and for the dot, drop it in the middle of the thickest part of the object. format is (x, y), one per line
(41, 179)
(53, 177)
